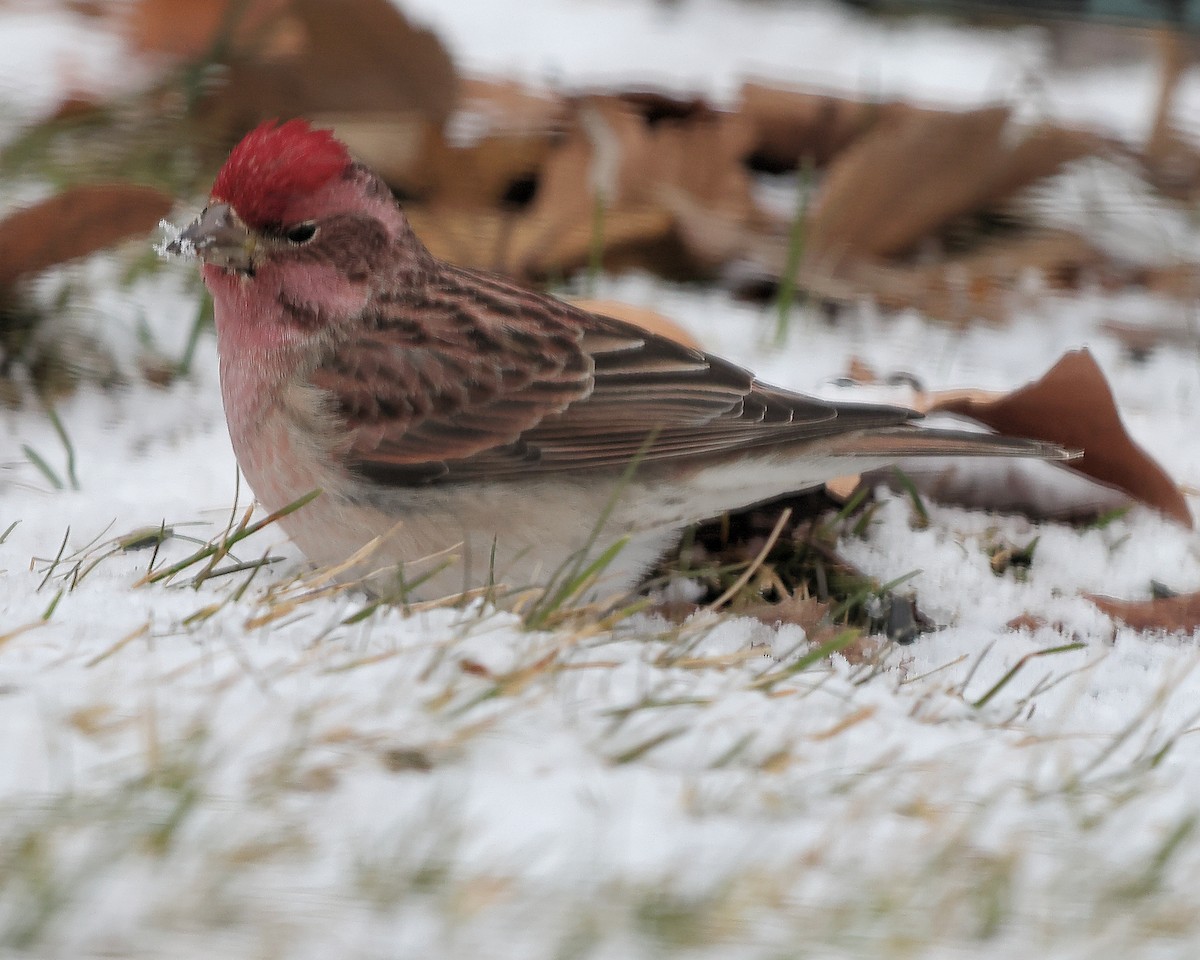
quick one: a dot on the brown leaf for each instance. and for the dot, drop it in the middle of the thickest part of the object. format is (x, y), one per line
(1073, 406)
(1180, 281)
(703, 157)
(1042, 151)
(501, 134)
(715, 238)
(509, 107)
(790, 125)
(860, 371)
(188, 29)
(1172, 161)
(76, 107)
(638, 164)
(1006, 486)
(365, 54)
(611, 150)
(982, 284)
(1141, 338)
(353, 56)
(74, 223)
(812, 616)
(808, 613)
(910, 174)
(1027, 621)
(485, 174)
(491, 149)
(1171, 614)
(531, 244)
(566, 195)
(916, 169)
(841, 489)
(395, 144)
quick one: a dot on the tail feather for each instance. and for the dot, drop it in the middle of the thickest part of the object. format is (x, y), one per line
(906, 441)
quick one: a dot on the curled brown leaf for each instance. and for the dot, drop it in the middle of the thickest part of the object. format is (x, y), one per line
(74, 223)
(1073, 406)
(1169, 614)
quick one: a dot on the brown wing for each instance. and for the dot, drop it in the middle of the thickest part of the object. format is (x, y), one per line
(471, 376)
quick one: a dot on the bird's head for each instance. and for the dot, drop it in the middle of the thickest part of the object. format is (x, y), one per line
(296, 233)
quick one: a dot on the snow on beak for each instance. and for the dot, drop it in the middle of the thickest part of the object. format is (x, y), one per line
(219, 237)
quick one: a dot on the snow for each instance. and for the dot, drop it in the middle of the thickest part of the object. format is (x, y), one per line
(177, 779)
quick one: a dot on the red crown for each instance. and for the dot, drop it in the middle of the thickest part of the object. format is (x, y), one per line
(273, 165)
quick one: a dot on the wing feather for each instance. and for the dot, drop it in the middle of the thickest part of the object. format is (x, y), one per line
(470, 376)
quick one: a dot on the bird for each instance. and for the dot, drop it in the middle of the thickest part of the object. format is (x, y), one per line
(465, 431)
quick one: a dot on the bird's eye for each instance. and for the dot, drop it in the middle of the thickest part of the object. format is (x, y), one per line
(301, 232)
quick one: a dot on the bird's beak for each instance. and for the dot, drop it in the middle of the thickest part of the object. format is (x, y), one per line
(219, 237)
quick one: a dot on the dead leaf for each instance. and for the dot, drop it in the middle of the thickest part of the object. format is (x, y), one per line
(917, 169)
(860, 371)
(715, 238)
(812, 616)
(1172, 161)
(808, 613)
(495, 172)
(530, 244)
(1042, 151)
(1073, 406)
(1170, 614)
(508, 108)
(1180, 281)
(1026, 621)
(981, 285)
(1141, 338)
(395, 144)
(189, 29)
(498, 136)
(907, 176)
(1004, 485)
(611, 155)
(635, 165)
(702, 157)
(841, 489)
(790, 125)
(76, 107)
(675, 611)
(354, 56)
(488, 154)
(984, 284)
(75, 223)
(573, 175)
(365, 54)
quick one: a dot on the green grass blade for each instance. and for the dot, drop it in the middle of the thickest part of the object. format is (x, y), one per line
(202, 321)
(38, 461)
(1019, 666)
(795, 254)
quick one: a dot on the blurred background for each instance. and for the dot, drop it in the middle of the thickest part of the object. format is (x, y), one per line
(956, 159)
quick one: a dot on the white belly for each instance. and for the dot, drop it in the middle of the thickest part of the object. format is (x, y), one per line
(431, 541)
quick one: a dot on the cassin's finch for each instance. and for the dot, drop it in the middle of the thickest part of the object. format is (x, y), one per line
(465, 420)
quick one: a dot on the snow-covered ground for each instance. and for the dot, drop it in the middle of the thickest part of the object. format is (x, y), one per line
(221, 772)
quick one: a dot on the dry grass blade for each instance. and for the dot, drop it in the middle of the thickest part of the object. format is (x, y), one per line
(803, 662)
(214, 551)
(755, 564)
